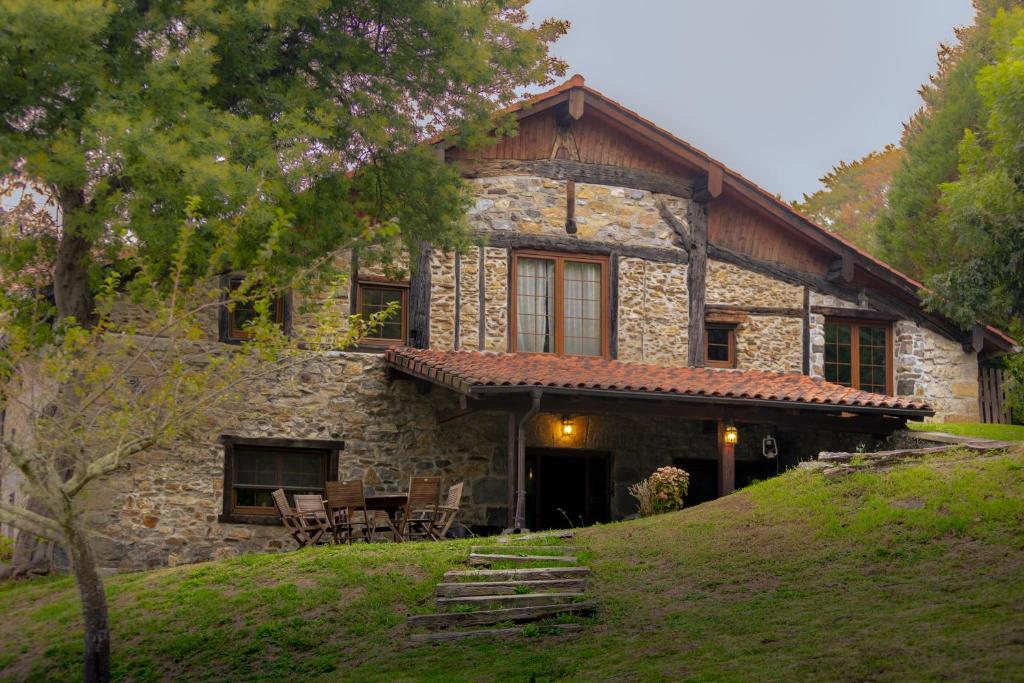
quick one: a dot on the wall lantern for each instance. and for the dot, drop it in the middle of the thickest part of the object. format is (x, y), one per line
(568, 427)
(731, 435)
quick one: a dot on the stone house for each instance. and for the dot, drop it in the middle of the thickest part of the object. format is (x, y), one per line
(629, 303)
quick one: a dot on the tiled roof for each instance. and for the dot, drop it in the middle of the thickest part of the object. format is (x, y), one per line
(477, 373)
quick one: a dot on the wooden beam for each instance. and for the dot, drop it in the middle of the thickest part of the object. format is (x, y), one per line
(575, 245)
(581, 172)
(576, 99)
(696, 285)
(975, 341)
(419, 300)
(806, 336)
(715, 174)
(780, 311)
(856, 313)
(726, 463)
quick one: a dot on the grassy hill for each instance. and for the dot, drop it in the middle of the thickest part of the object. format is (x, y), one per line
(916, 573)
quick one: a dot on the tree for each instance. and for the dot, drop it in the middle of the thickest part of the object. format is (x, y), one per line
(854, 196)
(95, 398)
(123, 108)
(911, 235)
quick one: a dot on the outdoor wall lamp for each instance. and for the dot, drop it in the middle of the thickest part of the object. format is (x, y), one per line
(731, 435)
(568, 427)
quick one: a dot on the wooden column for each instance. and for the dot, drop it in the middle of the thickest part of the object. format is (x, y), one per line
(513, 453)
(696, 276)
(726, 463)
(419, 300)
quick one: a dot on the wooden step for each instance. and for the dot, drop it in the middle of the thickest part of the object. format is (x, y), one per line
(512, 538)
(484, 559)
(514, 600)
(535, 549)
(553, 629)
(437, 622)
(532, 574)
(452, 590)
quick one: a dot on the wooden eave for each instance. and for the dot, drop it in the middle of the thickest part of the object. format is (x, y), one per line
(868, 271)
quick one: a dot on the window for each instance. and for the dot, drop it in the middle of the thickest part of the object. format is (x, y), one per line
(235, 318)
(720, 346)
(857, 355)
(560, 304)
(254, 468)
(376, 297)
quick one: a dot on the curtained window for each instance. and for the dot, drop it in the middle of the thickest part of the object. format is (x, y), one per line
(560, 304)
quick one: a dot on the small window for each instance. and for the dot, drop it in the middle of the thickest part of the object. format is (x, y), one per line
(720, 346)
(857, 355)
(375, 298)
(560, 304)
(256, 471)
(235, 318)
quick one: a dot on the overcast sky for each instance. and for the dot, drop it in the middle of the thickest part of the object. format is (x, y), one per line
(778, 90)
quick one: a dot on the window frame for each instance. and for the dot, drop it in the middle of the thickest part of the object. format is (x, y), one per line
(231, 334)
(559, 324)
(855, 324)
(403, 289)
(731, 329)
(232, 513)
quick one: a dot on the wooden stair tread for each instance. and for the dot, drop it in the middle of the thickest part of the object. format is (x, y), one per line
(508, 587)
(506, 549)
(514, 574)
(482, 558)
(496, 616)
(511, 600)
(512, 631)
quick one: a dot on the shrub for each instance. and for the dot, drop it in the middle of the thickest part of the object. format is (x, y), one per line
(663, 491)
(6, 549)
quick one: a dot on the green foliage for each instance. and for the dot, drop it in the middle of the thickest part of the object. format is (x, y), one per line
(6, 549)
(309, 110)
(911, 235)
(661, 492)
(984, 206)
(978, 429)
(854, 197)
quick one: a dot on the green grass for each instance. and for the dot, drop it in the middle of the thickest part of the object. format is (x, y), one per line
(914, 573)
(981, 430)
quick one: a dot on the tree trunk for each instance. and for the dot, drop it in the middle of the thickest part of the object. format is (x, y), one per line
(96, 658)
(31, 554)
(71, 291)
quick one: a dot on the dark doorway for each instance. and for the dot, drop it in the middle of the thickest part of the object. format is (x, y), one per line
(567, 487)
(703, 479)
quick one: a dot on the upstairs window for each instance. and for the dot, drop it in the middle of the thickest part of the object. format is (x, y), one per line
(236, 317)
(720, 346)
(857, 354)
(376, 297)
(560, 304)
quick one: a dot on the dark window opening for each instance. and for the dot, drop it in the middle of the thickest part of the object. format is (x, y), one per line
(236, 317)
(256, 471)
(857, 355)
(720, 346)
(377, 298)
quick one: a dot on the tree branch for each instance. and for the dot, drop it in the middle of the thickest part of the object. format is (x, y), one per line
(30, 522)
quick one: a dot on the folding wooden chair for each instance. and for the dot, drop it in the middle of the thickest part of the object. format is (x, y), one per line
(290, 519)
(447, 513)
(347, 507)
(309, 507)
(421, 508)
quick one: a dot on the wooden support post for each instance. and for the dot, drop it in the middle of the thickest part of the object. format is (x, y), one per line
(513, 456)
(726, 463)
(419, 300)
(696, 276)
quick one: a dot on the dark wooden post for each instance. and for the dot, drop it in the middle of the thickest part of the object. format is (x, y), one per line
(513, 454)
(696, 276)
(726, 463)
(419, 300)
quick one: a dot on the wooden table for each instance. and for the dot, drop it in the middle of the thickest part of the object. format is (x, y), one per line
(391, 503)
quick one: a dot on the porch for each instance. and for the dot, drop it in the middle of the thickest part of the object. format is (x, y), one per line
(579, 430)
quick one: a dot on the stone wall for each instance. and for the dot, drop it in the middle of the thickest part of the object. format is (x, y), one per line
(652, 312)
(496, 264)
(537, 206)
(925, 363)
(732, 285)
(770, 342)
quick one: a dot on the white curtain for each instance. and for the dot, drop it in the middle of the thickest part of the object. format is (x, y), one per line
(582, 312)
(535, 304)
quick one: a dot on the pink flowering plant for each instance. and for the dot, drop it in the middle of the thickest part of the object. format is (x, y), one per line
(663, 491)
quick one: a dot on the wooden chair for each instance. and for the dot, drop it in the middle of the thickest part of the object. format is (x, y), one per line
(309, 507)
(290, 519)
(421, 508)
(447, 513)
(347, 507)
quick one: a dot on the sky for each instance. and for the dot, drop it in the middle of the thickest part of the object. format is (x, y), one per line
(778, 90)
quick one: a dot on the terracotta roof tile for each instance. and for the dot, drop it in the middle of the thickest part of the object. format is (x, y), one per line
(475, 372)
